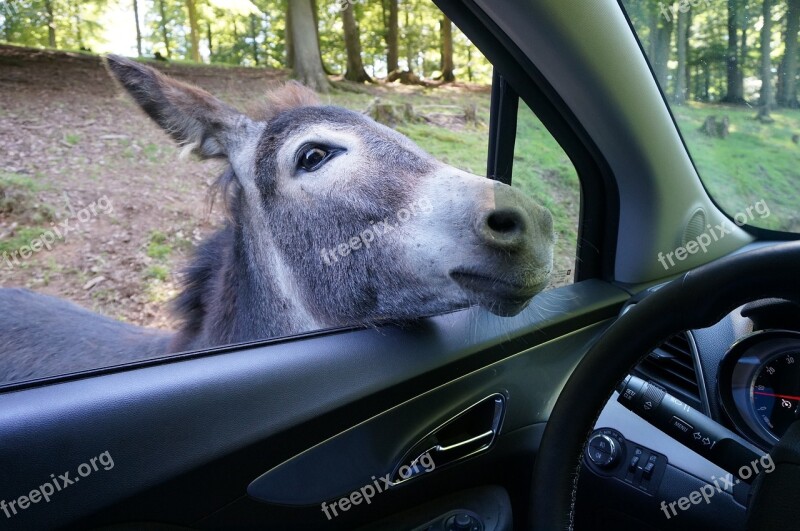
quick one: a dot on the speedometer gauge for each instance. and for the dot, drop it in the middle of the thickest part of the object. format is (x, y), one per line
(775, 393)
(759, 384)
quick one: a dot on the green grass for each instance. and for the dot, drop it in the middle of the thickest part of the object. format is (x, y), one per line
(756, 162)
(157, 272)
(158, 247)
(22, 236)
(19, 201)
(72, 138)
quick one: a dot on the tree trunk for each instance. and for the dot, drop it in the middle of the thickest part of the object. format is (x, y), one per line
(138, 28)
(75, 9)
(51, 23)
(392, 45)
(447, 51)
(352, 42)
(315, 12)
(765, 97)
(289, 40)
(253, 35)
(735, 87)
(194, 31)
(210, 42)
(787, 73)
(410, 54)
(661, 26)
(688, 72)
(469, 64)
(307, 57)
(163, 23)
(681, 84)
(743, 48)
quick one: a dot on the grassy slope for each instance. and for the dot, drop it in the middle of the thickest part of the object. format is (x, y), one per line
(756, 162)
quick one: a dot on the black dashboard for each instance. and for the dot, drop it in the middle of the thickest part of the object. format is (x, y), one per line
(744, 373)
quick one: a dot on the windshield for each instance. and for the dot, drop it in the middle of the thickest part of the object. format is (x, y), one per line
(729, 72)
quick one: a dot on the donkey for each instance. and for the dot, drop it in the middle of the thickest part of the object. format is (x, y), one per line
(333, 220)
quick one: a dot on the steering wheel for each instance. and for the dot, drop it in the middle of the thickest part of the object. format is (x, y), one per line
(697, 299)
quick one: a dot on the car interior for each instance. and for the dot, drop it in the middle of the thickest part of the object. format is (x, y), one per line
(604, 404)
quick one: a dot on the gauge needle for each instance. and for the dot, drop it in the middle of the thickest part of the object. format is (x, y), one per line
(787, 397)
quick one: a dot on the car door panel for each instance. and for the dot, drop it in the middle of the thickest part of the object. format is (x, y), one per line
(208, 425)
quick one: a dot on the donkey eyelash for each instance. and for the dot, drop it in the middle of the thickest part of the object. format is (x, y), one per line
(303, 156)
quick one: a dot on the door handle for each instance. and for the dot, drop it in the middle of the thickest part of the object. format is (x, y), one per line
(454, 440)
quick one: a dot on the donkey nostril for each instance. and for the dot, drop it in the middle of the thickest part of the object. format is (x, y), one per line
(505, 221)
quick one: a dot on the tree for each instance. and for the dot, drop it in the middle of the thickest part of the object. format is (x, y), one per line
(352, 41)
(681, 82)
(447, 51)
(787, 72)
(307, 58)
(735, 80)
(765, 98)
(51, 23)
(660, 30)
(289, 38)
(410, 52)
(163, 26)
(194, 31)
(75, 11)
(254, 38)
(392, 46)
(138, 29)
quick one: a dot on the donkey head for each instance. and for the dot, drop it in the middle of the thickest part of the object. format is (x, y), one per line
(347, 221)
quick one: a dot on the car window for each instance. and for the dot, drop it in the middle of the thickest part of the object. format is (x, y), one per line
(125, 236)
(543, 170)
(729, 73)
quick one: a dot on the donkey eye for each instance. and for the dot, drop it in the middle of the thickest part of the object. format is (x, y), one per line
(313, 158)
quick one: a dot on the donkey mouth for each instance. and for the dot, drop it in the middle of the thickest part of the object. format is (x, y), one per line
(501, 296)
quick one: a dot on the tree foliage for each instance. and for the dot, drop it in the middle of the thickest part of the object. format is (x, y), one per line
(393, 34)
(703, 50)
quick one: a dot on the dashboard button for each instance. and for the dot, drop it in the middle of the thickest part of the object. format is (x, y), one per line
(681, 425)
(603, 451)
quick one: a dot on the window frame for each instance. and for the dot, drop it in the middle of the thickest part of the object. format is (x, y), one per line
(598, 219)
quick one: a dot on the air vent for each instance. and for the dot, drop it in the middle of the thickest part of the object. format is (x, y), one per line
(672, 366)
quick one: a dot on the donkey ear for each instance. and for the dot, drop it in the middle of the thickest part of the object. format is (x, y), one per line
(191, 116)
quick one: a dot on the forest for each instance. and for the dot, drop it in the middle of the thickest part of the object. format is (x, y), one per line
(730, 51)
(407, 39)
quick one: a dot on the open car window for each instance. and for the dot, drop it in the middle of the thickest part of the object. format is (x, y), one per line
(295, 214)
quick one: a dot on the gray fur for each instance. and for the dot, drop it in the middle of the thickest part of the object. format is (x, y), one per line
(264, 273)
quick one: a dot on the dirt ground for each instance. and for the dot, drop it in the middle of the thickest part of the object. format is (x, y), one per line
(65, 126)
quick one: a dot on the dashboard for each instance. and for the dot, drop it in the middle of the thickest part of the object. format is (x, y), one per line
(744, 373)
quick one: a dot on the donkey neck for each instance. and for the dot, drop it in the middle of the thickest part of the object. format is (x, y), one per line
(239, 289)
